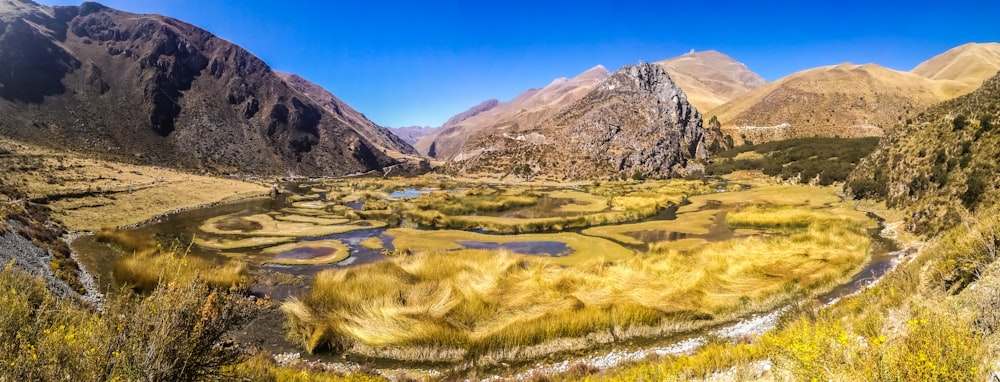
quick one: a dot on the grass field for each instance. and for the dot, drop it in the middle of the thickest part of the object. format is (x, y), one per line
(462, 304)
(88, 194)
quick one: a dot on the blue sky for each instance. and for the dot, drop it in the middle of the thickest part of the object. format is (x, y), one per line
(420, 62)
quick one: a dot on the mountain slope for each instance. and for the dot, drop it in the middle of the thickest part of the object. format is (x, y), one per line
(941, 165)
(347, 116)
(967, 65)
(152, 89)
(525, 111)
(845, 100)
(711, 78)
(636, 122)
(412, 134)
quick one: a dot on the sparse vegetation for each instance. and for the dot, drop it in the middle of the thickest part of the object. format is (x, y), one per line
(174, 333)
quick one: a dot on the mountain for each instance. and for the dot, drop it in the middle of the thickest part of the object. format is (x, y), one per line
(483, 107)
(967, 65)
(412, 134)
(939, 165)
(152, 89)
(845, 100)
(347, 116)
(854, 100)
(525, 111)
(637, 122)
(711, 78)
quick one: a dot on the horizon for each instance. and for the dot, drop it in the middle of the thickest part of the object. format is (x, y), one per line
(418, 64)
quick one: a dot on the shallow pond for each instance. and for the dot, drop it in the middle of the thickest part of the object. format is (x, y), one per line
(532, 248)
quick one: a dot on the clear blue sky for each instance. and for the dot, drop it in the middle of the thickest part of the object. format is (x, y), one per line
(420, 62)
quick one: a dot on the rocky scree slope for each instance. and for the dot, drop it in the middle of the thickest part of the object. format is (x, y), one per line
(151, 89)
(637, 122)
(940, 165)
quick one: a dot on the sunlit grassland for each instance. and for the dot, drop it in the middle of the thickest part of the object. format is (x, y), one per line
(469, 304)
(87, 194)
(267, 225)
(696, 222)
(763, 193)
(585, 248)
(241, 243)
(371, 243)
(583, 202)
(933, 318)
(337, 252)
(143, 264)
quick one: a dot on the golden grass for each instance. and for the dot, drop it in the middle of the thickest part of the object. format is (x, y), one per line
(467, 303)
(584, 248)
(371, 243)
(88, 194)
(312, 219)
(242, 243)
(692, 223)
(582, 202)
(762, 193)
(267, 225)
(678, 245)
(338, 252)
(145, 270)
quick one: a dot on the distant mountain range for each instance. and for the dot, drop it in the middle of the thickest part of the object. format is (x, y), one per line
(152, 89)
(850, 100)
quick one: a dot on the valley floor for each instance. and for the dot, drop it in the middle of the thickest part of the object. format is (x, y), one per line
(88, 194)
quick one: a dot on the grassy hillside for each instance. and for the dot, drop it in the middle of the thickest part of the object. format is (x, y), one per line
(941, 165)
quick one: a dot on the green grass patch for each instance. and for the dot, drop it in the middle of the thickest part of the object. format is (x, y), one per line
(830, 160)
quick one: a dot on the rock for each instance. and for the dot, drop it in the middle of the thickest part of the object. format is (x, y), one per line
(637, 122)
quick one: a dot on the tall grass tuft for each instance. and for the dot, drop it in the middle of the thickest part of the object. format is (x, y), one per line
(468, 304)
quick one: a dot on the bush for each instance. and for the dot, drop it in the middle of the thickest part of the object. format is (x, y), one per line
(174, 334)
(975, 187)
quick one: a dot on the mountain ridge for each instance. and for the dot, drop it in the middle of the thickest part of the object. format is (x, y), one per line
(155, 90)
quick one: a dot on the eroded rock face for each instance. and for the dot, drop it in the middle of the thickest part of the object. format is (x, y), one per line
(637, 121)
(153, 89)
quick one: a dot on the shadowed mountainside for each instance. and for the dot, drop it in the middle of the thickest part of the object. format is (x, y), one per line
(152, 89)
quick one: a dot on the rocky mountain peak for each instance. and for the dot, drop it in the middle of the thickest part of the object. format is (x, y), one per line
(635, 122)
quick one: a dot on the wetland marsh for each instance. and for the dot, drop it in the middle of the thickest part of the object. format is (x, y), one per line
(448, 271)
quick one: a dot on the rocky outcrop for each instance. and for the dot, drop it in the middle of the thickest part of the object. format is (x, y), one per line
(637, 122)
(151, 89)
